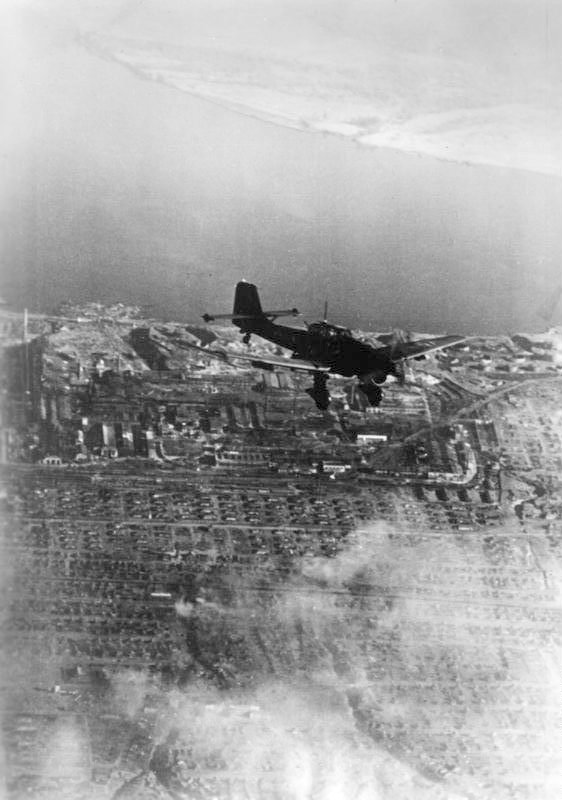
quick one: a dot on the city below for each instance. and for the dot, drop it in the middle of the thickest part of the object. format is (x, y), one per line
(213, 589)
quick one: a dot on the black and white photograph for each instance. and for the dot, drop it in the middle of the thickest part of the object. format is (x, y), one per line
(281, 400)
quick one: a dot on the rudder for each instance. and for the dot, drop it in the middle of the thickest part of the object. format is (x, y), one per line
(247, 301)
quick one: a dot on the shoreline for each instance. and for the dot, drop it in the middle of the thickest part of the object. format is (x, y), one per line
(358, 138)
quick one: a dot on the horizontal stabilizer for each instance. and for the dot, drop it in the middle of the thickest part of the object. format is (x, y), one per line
(284, 312)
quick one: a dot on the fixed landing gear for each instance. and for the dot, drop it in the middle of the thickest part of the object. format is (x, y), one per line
(372, 392)
(319, 391)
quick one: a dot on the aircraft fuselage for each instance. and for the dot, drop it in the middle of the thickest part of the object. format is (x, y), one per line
(325, 345)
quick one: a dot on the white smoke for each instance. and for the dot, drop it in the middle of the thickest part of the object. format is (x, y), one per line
(405, 667)
(184, 608)
(295, 736)
(129, 691)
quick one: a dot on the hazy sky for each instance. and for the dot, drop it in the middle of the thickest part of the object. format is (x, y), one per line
(123, 182)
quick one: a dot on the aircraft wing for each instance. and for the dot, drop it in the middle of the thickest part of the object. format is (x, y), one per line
(405, 350)
(261, 361)
(278, 362)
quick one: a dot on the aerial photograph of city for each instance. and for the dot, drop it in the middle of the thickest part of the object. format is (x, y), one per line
(280, 410)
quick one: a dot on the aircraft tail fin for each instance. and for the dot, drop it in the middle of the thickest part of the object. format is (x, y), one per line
(247, 308)
(247, 301)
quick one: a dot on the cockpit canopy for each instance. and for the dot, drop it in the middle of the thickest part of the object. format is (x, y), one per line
(328, 331)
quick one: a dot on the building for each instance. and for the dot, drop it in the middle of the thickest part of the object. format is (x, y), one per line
(241, 457)
(147, 348)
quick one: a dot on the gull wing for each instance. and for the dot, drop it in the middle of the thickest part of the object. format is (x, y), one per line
(261, 361)
(404, 350)
(278, 362)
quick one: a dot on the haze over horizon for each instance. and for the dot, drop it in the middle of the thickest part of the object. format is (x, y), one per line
(125, 182)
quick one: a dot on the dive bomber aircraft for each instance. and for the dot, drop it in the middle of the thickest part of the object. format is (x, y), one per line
(322, 348)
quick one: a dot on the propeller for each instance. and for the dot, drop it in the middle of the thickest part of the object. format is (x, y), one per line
(398, 337)
(400, 372)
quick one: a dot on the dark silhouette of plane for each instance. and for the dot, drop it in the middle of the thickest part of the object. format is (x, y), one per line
(322, 348)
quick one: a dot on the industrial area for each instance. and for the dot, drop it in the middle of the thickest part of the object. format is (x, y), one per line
(197, 559)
